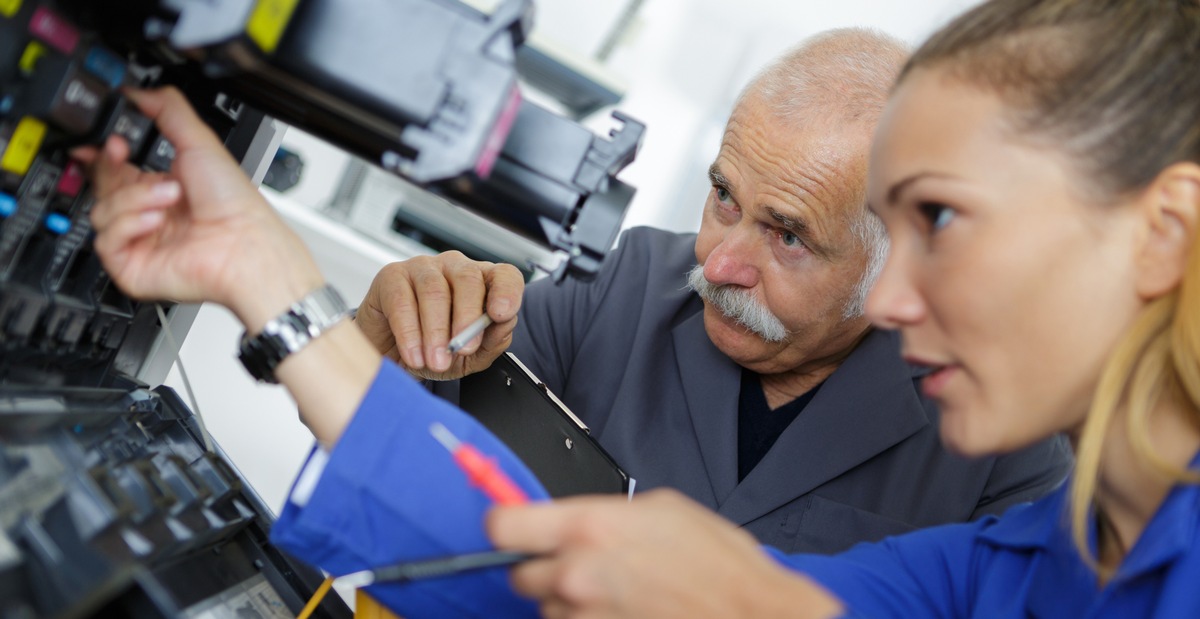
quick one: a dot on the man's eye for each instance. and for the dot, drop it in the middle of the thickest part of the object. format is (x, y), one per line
(722, 194)
(789, 239)
(939, 215)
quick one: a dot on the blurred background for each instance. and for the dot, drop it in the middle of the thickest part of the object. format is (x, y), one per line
(676, 65)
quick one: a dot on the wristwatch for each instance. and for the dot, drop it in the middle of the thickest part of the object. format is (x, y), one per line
(291, 331)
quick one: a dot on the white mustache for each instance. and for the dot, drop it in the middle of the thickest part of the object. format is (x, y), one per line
(739, 305)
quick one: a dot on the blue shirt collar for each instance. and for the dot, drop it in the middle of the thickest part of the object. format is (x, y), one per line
(1029, 526)
(1059, 578)
(1044, 525)
(1168, 535)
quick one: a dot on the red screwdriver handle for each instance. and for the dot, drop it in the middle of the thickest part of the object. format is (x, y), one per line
(487, 476)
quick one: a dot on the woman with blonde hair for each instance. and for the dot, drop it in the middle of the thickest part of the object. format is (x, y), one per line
(1038, 171)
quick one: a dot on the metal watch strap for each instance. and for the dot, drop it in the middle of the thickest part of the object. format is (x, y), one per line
(290, 332)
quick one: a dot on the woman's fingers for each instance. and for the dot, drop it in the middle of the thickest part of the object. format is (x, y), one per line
(175, 118)
(110, 167)
(137, 197)
(115, 246)
(130, 213)
(536, 578)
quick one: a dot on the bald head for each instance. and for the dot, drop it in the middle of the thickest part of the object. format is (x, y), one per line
(842, 75)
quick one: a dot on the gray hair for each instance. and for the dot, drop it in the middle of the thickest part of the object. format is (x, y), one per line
(843, 75)
(869, 231)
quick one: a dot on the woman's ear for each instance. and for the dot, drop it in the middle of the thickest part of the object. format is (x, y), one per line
(1170, 211)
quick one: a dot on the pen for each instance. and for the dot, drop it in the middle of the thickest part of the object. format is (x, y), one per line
(468, 334)
(432, 568)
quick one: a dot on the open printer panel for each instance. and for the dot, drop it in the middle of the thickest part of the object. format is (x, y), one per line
(111, 505)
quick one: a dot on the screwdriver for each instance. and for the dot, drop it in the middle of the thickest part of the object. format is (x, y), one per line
(433, 568)
(482, 472)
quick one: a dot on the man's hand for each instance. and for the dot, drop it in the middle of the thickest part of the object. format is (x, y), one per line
(659, 556)
(414, 307)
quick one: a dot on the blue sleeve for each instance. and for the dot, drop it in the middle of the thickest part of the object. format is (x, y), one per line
(926, 573)
(390, 492)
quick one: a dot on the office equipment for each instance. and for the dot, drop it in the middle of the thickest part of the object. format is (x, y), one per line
(110, 502)
(426, 89)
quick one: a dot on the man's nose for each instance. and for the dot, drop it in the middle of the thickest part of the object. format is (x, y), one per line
(894, 301)
(733, 261)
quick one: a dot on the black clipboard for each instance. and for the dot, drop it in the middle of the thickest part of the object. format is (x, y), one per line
(522, 412)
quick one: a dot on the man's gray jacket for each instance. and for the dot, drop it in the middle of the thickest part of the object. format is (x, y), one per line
(629, 355)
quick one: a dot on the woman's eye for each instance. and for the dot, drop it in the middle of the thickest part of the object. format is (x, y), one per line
(722, 194)
(789, 239)
(939, 215)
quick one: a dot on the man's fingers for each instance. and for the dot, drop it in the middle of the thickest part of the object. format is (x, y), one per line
(175, 118)
(468, 291)
(498, 336)
(404, 321)
(433, 305)
(429, 299)
(505, 285)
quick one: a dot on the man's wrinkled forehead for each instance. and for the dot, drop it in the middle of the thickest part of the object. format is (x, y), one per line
(814, 173)
(804, 138)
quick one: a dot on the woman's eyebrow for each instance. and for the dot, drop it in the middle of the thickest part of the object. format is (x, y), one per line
(897, 189)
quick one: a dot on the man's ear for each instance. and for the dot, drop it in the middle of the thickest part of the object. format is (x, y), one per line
(1171, 211)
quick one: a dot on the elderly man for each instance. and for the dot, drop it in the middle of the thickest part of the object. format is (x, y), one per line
(736, 365)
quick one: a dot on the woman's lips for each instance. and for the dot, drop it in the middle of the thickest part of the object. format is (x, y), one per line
(934, 383)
